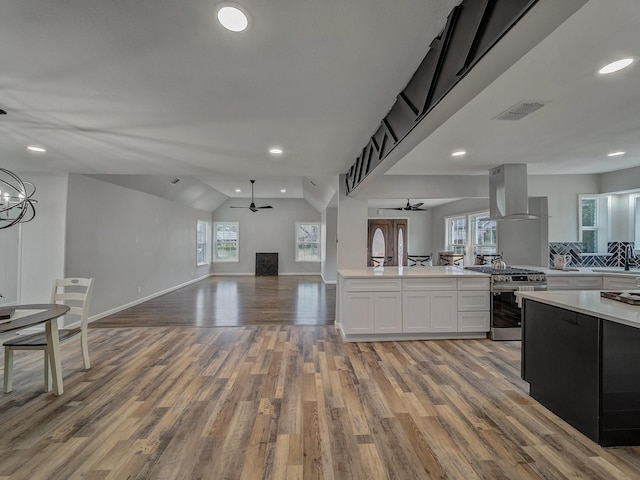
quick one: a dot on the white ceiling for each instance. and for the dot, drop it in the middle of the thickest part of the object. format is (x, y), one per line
(159, 88)
(586, 117)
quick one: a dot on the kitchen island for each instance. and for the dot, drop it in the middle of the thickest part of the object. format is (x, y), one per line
(412, 303)
(581, 358)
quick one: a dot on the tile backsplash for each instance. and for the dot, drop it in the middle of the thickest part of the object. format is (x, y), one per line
(613, 258)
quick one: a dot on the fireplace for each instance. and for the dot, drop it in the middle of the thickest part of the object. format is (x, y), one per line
(266, 264)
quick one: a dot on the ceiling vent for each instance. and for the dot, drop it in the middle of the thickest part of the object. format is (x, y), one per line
(520, 110)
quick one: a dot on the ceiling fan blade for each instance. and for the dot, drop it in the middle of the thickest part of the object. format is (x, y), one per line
(417, 205)
(419, 209)
(383, 208)
(252, 205)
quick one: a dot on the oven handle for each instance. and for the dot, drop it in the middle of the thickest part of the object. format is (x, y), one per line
(506, 289)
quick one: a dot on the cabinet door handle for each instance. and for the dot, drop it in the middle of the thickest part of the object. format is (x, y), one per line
(572, 320)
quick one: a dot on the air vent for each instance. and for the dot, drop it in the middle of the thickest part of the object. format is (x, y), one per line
(520, 110)
(175, 181)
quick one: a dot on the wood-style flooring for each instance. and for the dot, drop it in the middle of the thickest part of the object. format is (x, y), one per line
(234, 301)
(276, 401)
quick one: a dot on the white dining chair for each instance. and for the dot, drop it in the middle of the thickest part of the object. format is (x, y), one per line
(76, 294)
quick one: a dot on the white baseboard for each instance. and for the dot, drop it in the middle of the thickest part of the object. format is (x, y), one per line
(328, 282)
(98, 316)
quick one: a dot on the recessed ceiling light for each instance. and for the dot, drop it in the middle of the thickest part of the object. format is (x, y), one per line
(35, 148)
(275, 151)
(233, 17)
(282, 190)
(459, 153)
(238, 190)
(615, 66)
(615, 154)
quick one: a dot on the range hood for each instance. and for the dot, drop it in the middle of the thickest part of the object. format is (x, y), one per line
(508, 196)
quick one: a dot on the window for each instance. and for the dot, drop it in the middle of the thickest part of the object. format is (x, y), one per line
(307, 242)
(469, 234)
(456, 234)
(202, 243)
(226, 238)
(484, 234)
(594, 223)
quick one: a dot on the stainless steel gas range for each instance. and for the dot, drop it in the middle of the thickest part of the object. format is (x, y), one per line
(505, 312)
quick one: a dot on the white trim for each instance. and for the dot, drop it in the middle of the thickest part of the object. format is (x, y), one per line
(295, 242)
(207, 242)
(599, 228)
(328, 282)
(141, 300)
(214, 243)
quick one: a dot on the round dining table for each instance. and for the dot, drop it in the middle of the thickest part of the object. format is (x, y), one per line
(26, 316)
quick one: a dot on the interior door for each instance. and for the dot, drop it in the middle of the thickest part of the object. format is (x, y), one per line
(387, 242)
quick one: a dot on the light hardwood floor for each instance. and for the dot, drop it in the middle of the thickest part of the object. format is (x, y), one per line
(288, 402)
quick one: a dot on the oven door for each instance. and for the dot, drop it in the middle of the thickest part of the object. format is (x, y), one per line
(506, 313)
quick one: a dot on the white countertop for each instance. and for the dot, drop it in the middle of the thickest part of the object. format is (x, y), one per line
(588, 302)
(409, 272)
(580, 271)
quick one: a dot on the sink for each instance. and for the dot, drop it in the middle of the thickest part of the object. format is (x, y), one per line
(617, 270)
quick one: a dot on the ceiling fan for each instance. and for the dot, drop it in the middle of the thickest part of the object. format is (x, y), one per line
(252, 206)
(409, 207)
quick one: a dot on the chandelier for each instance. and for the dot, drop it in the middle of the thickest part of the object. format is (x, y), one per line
(16, 204)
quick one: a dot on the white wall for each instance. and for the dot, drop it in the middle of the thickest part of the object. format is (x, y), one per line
(9, 264)
(562, 192)
(134, 244)
(619, 181)
(43, 239)
(267, 231)
(524, 242)
(330, 246)
(352, 230)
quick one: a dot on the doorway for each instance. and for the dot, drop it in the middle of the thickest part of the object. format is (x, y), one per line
(387, 242)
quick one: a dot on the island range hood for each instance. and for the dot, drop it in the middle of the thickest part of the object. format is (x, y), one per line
(508, 195)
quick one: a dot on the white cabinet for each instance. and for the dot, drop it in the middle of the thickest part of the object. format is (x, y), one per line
(387, 312)
(416, 312)
(620, 282)
(474, 321)
(429, 311)
(473, 301)
(422, 307)
(444, 312)
(582, 282)
(369, 307)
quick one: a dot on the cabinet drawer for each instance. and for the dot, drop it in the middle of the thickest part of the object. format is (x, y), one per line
(622, 282)
(588, 283)
(373, 285)
(558, 283)
(469, 301)
(480, 283)
(437, 283)
(473, 321)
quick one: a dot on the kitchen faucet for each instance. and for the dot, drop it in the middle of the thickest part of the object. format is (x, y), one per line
(628, 252)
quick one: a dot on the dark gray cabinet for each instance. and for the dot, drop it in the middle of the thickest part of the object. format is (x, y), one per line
(584, 369)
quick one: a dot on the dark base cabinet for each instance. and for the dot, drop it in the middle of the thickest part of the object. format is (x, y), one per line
(584, 369)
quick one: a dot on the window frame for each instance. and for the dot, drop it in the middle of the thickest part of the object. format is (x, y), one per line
(448, 240)
(215, 243)
(602, 227)
(207, 242)
(318, 243)
(472, 218)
